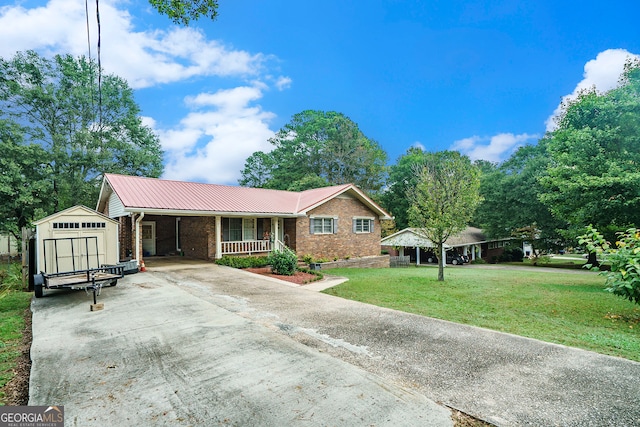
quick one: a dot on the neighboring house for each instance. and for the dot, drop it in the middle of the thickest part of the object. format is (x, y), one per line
(8, 246)
(207, 221)
(470, 242)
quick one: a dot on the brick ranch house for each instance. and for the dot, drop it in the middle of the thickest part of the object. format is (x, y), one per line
(206, 221)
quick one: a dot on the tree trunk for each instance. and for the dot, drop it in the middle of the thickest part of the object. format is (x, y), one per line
(593, 259)
(441, 261)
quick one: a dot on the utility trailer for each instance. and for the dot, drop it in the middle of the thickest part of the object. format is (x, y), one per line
(74, 263)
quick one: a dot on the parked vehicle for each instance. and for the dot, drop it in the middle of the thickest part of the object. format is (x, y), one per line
(452, 258)
(431, 257)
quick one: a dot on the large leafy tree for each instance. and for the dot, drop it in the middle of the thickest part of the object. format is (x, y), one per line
(402, 177)
(316, 149)
(511, 206)
(593, 175)
(25, 192)
(62, 134)
(444, 198)
(184, 11)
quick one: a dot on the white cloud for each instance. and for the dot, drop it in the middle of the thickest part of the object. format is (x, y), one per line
(283, 83)
(602, 73)
(212, 142)
(495, 148)
(418, 144)
(220, 130)
(143, 58)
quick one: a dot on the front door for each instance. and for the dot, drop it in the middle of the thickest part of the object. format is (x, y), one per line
(148, 238)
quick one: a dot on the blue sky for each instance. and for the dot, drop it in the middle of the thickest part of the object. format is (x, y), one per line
(482, 77)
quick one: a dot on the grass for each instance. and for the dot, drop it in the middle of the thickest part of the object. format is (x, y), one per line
(563, 307)
(13, 303)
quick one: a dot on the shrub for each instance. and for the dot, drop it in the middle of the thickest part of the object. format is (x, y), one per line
(623, 277)
(316, 273)
(512, 255)
(283, 262)
(11, 277)
(243, 262)
(308, 259)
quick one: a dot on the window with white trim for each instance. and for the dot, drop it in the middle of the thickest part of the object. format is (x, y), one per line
(362, 225)
(234, 229)
(238, 229)
(249, 228)
(323, 225)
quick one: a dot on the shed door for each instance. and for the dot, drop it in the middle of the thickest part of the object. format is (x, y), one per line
(148, 238)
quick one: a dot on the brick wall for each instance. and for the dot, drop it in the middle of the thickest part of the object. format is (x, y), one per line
(197, 237)
(126, 238)
(344, 243)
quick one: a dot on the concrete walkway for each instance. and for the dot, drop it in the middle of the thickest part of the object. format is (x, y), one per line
(201, 344)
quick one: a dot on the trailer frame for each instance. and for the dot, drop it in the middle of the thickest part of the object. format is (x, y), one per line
(78, 278)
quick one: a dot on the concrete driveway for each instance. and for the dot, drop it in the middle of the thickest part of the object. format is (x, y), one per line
(188, 344)
(157, 355)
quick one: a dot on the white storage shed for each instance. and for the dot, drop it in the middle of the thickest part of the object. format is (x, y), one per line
(75, 239)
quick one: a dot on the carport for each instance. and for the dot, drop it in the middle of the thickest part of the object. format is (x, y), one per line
(471, 242)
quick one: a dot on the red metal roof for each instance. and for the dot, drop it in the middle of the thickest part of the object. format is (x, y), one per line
(141, 193)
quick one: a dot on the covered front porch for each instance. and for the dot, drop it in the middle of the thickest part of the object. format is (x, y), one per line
(202, 237)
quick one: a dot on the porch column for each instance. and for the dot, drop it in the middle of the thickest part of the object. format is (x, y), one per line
(417, 255)
(473, 253)
(479, 251)
(218, 237)
(444, 256)
(275, 232)
(401, 251)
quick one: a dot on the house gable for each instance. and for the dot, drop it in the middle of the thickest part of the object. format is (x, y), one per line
(343, 241)
(78, 211)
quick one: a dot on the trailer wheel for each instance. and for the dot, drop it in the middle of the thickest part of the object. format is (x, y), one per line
(113, 282)
(38, 283)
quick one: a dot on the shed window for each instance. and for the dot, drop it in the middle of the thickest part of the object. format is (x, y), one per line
(66, 225)
(94, 225)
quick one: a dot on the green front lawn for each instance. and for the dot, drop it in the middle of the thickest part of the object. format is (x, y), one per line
(13, 303)
(563, 307)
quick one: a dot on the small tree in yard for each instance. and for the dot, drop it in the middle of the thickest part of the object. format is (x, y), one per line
(444, 198)
(624, 257)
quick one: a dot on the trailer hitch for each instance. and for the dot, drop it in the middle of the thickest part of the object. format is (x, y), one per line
(96, 288)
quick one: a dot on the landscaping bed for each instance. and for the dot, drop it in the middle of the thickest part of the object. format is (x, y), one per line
(299, 277)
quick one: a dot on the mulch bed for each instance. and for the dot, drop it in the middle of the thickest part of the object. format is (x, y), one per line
(299, 277)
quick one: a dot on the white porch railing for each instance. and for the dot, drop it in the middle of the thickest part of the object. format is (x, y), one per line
(278, 245)
(246, 247)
